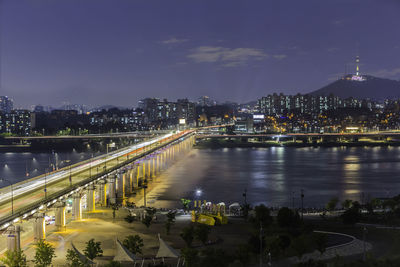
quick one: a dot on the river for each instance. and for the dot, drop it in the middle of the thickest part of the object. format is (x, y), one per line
(274, 176)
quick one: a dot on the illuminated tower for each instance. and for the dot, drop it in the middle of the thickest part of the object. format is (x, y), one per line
(357, 66)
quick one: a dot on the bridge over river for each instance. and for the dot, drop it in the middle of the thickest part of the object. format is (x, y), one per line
(100, 180)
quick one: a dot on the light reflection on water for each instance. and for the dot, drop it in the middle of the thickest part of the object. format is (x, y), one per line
(271, 175)
(15, 166)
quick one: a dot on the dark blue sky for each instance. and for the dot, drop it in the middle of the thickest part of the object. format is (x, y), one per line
(118, 51)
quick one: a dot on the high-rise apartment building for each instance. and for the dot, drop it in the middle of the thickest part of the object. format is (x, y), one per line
(6, 104)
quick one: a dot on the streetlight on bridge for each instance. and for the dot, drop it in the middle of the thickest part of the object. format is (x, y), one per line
(12, 194)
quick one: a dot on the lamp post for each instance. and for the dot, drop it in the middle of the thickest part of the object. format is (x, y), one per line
(12, 194)
(302, 200)
(45, 183)
(70, 176)
(105, 159)
(144, 192)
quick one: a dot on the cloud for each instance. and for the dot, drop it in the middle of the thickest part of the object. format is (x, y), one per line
(174, 40)
(279, 56)
(385, 73)
(228, 57)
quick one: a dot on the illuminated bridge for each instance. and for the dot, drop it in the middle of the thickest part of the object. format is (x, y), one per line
(100, 181)
(381, 136)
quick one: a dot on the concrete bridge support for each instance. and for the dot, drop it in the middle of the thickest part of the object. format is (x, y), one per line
(137, 174)
(76, 207)
(13, 237)
(131, 173)
(39, 227)
(111, 190)
(153, 166)
(120, 184)
(60, 216)
(148, 168)
(102, 192)
(91, 198)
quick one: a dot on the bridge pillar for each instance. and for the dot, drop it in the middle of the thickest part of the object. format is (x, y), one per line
(39, 227)
(137, 174)
(13, 237)
(60, 216)
(120, 184)
(149, 168)
(144, 170)
(102, 192)
(91, 198)
(153, 167)
(129, 180)
(76, 207)
(111, 190)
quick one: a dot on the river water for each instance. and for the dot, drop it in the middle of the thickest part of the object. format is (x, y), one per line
(274, 176)
(15, 166)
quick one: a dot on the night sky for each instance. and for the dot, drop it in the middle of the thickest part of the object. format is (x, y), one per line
(116, 52)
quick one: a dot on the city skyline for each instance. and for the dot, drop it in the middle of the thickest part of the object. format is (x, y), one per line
(99, 52)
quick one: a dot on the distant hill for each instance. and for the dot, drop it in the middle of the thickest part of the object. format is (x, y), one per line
(372, 88)
(108, 107)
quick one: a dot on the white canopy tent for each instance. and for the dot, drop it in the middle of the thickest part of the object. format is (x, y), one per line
(166, 251)
(123, 254)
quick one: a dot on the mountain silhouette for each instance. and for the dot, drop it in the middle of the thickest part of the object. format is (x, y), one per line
(370, 88)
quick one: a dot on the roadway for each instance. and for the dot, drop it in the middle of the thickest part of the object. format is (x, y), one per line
(32, 190)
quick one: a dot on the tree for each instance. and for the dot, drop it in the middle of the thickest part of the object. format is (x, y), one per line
(190, 255)
(254, 243)
(390, 203)
(242, 253)
(15, 258)
(130, 218)
(284, 242)
(331, 205)
(147, 220)
(347, 204)
(300, 246)
(262, 216)
(286, 218)
(187, 235)
(170, 221)
(44, 254)
(272, 245)
(133, 243)
(93, 249)
(246, 208)
(73, 259)
(376, 203)
(185, 203)
(352, 215)
(201, 232)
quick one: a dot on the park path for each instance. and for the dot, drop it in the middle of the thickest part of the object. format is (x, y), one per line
(353, 247)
